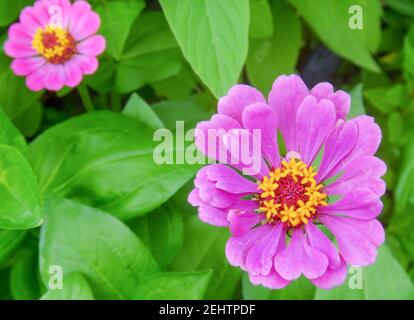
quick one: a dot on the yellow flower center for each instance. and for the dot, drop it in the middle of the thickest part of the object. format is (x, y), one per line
(54, 44)
(290, 194)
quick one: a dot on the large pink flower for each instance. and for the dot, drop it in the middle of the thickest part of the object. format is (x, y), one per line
(54, 44)
(274, 215)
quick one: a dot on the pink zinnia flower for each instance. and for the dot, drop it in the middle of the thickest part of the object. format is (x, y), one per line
(274, 216)
(50, 53)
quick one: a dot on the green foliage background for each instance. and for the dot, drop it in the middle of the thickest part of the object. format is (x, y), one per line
(82, 190)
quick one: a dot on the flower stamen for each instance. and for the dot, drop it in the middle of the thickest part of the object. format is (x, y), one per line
(291, 194)
(54, 44)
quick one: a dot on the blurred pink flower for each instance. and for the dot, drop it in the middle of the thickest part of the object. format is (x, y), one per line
(274, 215)
(55, 43)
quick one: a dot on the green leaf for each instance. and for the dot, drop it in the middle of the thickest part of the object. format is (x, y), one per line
(177, 87)
(95, 244)
(405, 7)
(385, 279)
(330, 21)
(396, 128)
(4, 284)
(174, 286)
(75, 287)
(162, 231)
(213, 36)
(387, 99)
(138, 109)
(405, 184)
(9, 135)
(150, 53)
(271, 57)
(9, 10)
(19, 193)
(408, 55)
(117, 18)
(10, 241)
(204, 249)
(24, 282)
(357, 102)
(261, 19)
(30, 120)
(15, 97)
(106, 160)
(191, 110)
(301, 289)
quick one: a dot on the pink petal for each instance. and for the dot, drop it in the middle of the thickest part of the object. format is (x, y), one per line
(92, 46)
(18, 33)
(241, 222)
(41, 12)
(73, 74)
(219, 140)
(212, 215)
(332, 277)
(318, 240)
(261, 117)
(54, 77)
(89, 65)
(314, 121)
(299, 257)
(285, 97)
(19, 49)
(339, 144)
(25, 66)
(36, 80)
(28, 18)
(358, 240)
(83, 21)
(364, 172)
(340, 99)
(245, 152)
(259, 260)
(358, 203)
(239, 97)
(272, 280)
(229, 180)
(237, 248)
(342, 102)
(369, 137)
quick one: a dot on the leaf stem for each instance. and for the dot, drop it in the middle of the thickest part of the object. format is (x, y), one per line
(86, 97)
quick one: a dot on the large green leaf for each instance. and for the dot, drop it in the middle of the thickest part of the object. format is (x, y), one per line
(75, 287)
(213, 36)
(138, 109)
(192, 110)
(9, 135)
(174, 286)
(204, 248)
(271, 57)
(261, 19)
(15, 97)
(301, 289)
(150, 53)
(105, 160)
(10, 241)
(162, 231)
(9, 10)
(19, 193)
(385, 279)
(117, 18)
(330, 21)
(82, 239)
(24, 282)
